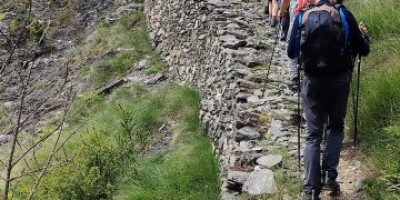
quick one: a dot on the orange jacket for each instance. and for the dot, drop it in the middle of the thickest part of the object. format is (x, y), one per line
(304, 3)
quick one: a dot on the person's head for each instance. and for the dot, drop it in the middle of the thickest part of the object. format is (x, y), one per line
(332, 1)
(336, 1)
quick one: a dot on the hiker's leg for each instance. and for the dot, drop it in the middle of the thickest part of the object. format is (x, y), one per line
(314, 113)
(293, 68)
(270, 11)
(286, 23)
(292, 14)
(274, 13)
(285, 26)
(335, 129)
(275, 8)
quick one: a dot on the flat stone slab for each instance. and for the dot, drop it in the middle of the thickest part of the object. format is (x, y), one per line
(276, 129)
(247, 133)
(255, 100)
(238, 176)
(232, 42)
(218, 3)
(269, 161)
(260, 182)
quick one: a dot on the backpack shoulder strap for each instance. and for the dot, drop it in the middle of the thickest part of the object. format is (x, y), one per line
(345, 24)
(298, 36)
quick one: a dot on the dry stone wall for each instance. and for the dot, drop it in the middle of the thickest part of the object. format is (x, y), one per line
(224, 48)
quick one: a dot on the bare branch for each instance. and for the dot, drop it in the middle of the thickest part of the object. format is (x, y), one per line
(31, 109)
(48, 169)
(36, 144)
(45, 30)
(20, 38)
(15, 139)
(27, 164)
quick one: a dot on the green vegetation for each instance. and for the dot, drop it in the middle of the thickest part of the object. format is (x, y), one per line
(188, 173)
(32, 27)
(380, 96)
(156, 68)
(2, 16)
(110, 152)
(286, 184)
(112, 141)
(380, 16)
(117, 47)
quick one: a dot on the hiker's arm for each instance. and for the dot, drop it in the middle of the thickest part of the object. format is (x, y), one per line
(357, 39)
(284, 7)
(292, 40)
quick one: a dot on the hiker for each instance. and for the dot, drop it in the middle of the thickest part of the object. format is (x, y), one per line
(293, 7)
(285, 21)
(273, 12)
(327, 55)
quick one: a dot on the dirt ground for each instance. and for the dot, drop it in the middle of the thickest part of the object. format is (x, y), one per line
(351, 174)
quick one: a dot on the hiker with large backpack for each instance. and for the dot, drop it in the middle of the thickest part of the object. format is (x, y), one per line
(326, 39)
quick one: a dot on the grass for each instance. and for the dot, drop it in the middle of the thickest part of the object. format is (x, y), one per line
(154, 69)
(109, 152)
(380, 131)
(380, 96)
(190, 172)
(108, 156)
(380, 16)
(2, 16)
(116, 47)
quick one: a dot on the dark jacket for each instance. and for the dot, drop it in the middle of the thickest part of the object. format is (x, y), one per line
(359, 44)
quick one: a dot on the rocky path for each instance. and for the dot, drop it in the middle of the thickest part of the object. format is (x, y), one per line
(351, 174)
(224, 48)
(280, 104)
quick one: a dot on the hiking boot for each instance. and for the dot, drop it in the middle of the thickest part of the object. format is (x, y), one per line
(332, 186)
(294, 84)
(273, 22)
(282, 37)
(310, 196)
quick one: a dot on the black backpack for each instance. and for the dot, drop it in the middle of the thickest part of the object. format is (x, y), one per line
(324, 40)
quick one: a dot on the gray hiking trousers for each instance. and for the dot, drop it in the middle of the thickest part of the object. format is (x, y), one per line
(324, 100)
(293, 68)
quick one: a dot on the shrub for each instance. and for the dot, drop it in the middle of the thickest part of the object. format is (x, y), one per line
(111, 147)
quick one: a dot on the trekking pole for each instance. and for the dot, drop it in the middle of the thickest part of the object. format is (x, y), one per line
(324, 132)
(299, 121)
(273, 49)
(355, 135)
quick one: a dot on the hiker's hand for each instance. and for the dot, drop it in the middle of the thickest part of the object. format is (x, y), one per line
(363, 29)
